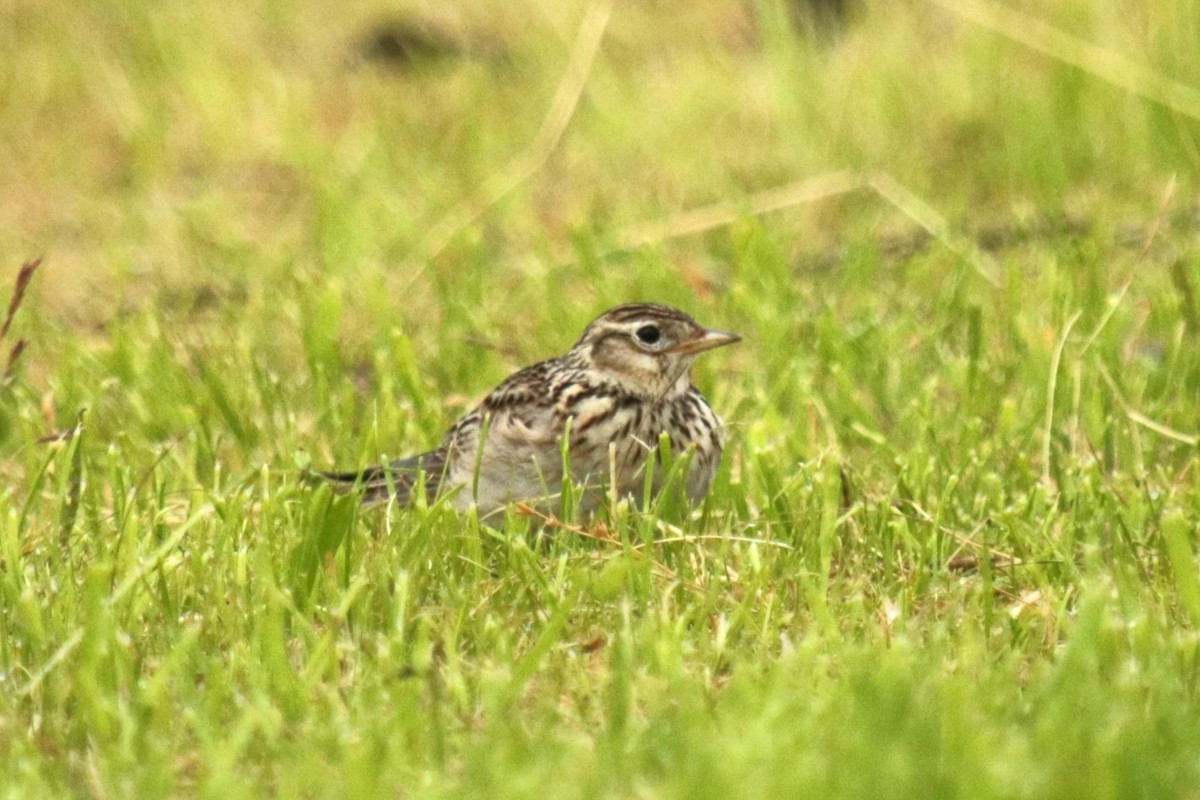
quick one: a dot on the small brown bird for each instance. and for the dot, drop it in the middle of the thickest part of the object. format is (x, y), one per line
(625, 383)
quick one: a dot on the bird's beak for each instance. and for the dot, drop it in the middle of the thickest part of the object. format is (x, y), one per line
(706, 341)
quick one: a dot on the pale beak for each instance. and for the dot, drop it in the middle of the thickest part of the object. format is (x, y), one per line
(708, 341)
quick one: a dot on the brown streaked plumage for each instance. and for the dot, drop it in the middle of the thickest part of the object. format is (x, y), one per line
(625, 383)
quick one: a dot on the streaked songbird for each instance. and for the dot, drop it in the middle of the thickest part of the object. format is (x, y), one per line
(622, 389)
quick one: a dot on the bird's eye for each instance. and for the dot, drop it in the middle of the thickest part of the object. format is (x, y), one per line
(649, 334)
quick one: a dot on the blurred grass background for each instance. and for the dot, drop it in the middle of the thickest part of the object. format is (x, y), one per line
(180, 142)
(952, 553)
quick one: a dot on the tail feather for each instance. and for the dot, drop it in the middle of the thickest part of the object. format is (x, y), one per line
(379, 482)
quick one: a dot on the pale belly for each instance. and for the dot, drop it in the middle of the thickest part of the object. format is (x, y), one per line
(513, 466)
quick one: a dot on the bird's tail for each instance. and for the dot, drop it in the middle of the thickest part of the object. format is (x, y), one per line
(397, 479)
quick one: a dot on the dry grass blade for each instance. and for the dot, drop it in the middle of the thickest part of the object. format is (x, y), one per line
(14, 355)
(706, 218)
(920, 212)
(23, 279)
(1052, 385)
(1163, 430)
(562, 109)
(599, 532)
(1113, 68)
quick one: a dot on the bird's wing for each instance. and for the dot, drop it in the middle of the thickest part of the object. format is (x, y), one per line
(527, 388)
(520, 411)
(522, 421)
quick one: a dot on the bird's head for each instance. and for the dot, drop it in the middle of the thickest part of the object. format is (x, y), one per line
(647, 349)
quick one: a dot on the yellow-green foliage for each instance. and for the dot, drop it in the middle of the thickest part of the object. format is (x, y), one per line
(951, 553)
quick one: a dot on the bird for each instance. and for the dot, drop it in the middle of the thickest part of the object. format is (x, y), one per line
(596, 414)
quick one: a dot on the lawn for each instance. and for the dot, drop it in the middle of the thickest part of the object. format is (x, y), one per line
(951, 551)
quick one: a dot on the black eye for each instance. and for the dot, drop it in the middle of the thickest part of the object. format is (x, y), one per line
(649, 334)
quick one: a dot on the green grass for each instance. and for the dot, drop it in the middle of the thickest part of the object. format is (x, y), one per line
(952, 551)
